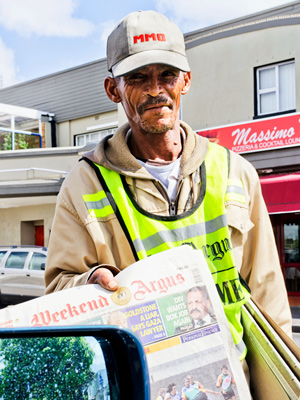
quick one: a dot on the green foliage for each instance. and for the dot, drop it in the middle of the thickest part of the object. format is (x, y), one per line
(7, 142)
(22, 141)
(45, 368)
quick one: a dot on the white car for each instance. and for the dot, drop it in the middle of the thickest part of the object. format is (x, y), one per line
(22, 271)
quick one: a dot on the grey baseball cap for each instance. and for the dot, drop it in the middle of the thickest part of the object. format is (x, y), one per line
(143, 38)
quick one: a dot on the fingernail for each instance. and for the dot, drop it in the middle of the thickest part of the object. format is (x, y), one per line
(112, 284)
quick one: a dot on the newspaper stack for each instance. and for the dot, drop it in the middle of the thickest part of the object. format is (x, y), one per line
(170, 302)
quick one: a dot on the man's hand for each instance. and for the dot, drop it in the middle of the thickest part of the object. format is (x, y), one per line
(104, 277)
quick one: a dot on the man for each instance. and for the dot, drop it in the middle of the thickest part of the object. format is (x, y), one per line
(199, 308)
(194, 384)
(186, 385)
(175, 395)
(226, 383)
(156, 184)
(161, 394)
(117, 318)
(194, 390)
(189, 392)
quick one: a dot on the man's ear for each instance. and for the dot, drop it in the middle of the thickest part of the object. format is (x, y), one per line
(111, 88)
(187, 82)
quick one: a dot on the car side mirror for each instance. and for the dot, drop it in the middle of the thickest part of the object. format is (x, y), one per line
(73, 362)
(43, 266)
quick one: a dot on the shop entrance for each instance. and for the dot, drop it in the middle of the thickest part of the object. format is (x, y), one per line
(287, 234)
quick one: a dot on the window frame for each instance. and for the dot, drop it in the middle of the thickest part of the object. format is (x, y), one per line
(23, 255)
(100, 133)
(35, 255)
(259, 92)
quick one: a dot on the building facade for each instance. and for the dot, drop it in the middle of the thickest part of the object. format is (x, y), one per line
(77, 115)
(245, 95)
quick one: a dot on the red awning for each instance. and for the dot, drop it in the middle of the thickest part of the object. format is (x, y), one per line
(281, 192)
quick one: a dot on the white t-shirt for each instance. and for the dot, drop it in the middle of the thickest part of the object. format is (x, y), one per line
(166, 174)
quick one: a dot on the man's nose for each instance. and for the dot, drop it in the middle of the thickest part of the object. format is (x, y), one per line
(154, 87)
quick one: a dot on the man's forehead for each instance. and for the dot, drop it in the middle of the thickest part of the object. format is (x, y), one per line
(195, 294)
(149, 67)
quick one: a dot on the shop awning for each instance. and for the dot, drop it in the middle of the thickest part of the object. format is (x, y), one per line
(281, 192)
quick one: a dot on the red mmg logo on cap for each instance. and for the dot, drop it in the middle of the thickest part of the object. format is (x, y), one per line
(146, 37)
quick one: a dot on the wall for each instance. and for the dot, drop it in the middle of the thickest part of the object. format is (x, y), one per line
(68, 129)
(222, 90)
(10, 222)
(59, 159)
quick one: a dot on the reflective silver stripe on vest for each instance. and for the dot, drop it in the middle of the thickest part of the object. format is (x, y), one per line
(235, 189)
(240, 347)
(97, 205)
(183, 233)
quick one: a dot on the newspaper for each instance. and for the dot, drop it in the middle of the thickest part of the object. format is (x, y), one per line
(152, 302)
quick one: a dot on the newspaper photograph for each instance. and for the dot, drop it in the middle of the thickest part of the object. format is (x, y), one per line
(170, 302)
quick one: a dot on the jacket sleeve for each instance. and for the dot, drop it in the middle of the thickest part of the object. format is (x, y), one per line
(260, 265)
(73, 252)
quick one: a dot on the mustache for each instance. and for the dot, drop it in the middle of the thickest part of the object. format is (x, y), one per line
(194, 309)
(152, 101)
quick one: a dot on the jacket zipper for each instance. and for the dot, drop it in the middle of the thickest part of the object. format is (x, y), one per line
(162, 190)
(172, 204)
(172, 208)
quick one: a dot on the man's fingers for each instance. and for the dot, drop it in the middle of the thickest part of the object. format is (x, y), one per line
(104, 278)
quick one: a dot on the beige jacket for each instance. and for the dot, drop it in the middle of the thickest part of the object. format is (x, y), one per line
(79, 243)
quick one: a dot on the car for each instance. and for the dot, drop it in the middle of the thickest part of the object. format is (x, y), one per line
(22, 270)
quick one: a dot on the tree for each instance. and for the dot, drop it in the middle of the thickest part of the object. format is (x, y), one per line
(45, 368)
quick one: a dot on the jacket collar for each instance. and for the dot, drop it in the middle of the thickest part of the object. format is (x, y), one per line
(113, 152)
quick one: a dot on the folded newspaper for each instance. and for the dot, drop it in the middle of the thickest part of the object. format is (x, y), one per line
(162, 299)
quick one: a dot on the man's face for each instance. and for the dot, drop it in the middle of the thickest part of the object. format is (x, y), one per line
(197, 305)
(187, 382)
(151, 97)
(173, 391)
(118, 318)
(224, 371)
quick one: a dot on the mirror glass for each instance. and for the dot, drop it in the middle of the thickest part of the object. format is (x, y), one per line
(51, 368)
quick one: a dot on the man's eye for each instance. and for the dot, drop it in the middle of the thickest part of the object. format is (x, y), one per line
(135, 77)
(169, 73)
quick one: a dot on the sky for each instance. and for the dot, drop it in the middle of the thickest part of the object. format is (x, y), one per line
(41, 37)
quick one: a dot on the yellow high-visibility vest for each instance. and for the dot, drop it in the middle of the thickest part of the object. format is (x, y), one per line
(204, 226)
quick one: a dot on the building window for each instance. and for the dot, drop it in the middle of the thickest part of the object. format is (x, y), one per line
(93, 137)
(275, 88)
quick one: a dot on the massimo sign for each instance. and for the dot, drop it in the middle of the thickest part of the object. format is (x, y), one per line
(258, 135)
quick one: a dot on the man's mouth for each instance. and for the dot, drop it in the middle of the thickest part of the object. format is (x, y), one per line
(153, 104)
(157, 106)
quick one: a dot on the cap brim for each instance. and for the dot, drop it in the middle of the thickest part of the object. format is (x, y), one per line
(144, 58)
